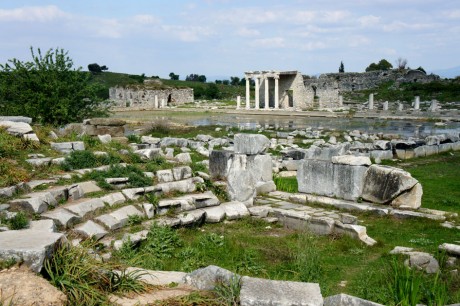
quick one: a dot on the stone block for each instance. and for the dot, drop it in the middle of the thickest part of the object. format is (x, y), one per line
(351, 160)
(16, 128)
(89, 229)
(410, 199)
(165, 176)
(382, 184)
(113, 198)
(251, 144)
(36, 202)
(84, 207)
(183, 158)
(123, 213)
(114, 131)
(62, 217)
(260, 167)
(29, 246)
(235, 210)
(89, 186)
(214, 214)
(265, 187)
(445, 147)
(261, 292)
(148, 154)
(347, 300)
(431, 150)
(106, 121)
(219, 163)
(328, 179)
(387, 154)
(182, 173)
(207, 278)
(43, 225)
(450, 248)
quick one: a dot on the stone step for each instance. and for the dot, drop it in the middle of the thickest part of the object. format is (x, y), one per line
(62, 218)
(188, 202)
(90, 229)
(84, 207)
(118, 218)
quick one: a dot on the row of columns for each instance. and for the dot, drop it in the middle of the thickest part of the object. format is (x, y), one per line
(156, 105)
(433, 106)
(266, 92)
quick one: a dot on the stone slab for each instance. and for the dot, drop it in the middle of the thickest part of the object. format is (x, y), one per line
(262, 292)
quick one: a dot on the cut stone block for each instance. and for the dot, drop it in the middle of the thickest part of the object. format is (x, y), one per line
(453, 249)
(214, 214)
(31, 247)
(165, 176)
(149, 210)
(133, 193)
(113, 198)
(207, 278)
(190, 217)
(89, 229)
(410, 199)
(251, 144)
(36, 202)
(89, 187)
(235, 210)
(123, 213)
(258, 292)
(347, 300)
(84, 207)
(158, 278)
(43, 225)
(62, 217)
(109, 222)
(182, 173)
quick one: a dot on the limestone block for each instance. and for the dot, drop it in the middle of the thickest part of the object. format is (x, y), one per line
(251, 144)
(171, 141)
(183, 158)
(36, 202)
(431, 150)
(218, 163)
(31, 247)
(382, 145)
(133, 193)
(260, 167)
(182, 173)
(287, 173)
(89, 229)
(149, 210)
(351, 160)
(109, 222)
(84, 207)
(62, 217)
(31, 137)
(420, 151)
(150, 140)
(214, 214)
(382, 184)
(235, 210)
(410, 199)
(265, 187)
(328, 179)
(105, 138)
(123, 213)
(240, 180)
(260, 292)
(16, 128)
(113, 198)
(452, 249)
(89, 186)
(432, 140)
(290, 165)
(148, 154)
(347, 300)
(207, 278)
(16, 119)
(190, 217)
(202, 200)
(7, 192)
(445, 147)
(158, 278)
(456, 146)
(43, 225)
(185, 186)
(165, 176)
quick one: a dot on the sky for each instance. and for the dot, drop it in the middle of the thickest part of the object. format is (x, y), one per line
(222, 38)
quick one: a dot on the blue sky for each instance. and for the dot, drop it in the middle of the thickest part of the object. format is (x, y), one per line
(227, 37)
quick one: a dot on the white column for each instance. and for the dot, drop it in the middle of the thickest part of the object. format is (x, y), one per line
(156, 102)
(248, 93)
(340, 100)
(277, 95)
(238, 102)
(267, 98)
(385, 105)
(417, 103)
(400, 107)
(163, 103)
(371, 101)
(257, 93)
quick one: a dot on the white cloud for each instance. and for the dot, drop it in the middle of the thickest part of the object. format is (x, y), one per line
(358, 41)
(272, 42)
(246, 32)
(145, 19)
(369, 21)
(334, 16)
(454, 14)
(188, 33)
(311, 46)
(401, 26)
(33, 13)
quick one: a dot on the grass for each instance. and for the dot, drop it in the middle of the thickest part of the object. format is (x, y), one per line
(287, 184)
(439, 176)
(85, 280)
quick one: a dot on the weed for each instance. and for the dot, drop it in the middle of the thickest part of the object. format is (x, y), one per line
(19, 221)
(133, 138)
(7, 263)
(124, 281)
(405, 284)
(134, 220)
(307, 259)
(229, 294)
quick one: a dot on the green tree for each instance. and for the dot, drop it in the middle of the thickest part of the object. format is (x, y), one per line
(49, 89)
(341, 68)
(421, 69)
(234, 81)
(383, 64)
(173, 76)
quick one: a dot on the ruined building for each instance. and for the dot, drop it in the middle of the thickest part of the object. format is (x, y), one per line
(150, 95)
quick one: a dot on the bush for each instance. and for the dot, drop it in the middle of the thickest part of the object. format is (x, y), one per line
(87, 159)
(19, 221)
(48, 89)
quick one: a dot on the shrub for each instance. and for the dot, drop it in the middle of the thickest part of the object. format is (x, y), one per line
(87, 159)
(19, 221)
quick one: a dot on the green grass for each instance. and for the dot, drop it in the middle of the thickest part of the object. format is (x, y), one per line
(439, 176)
(287, 184)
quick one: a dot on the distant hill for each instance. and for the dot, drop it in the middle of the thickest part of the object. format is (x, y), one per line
(449, 73)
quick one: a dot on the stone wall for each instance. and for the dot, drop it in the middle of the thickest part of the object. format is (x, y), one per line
(144, 98)
(329, 86)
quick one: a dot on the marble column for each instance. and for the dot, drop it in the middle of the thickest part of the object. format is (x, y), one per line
(267, 97)
(163, 103)
(248, 93)
(257, 93)
(371, 101)
(238, 102)
(156, 102)
(340, 100)
(400, 107)
(417, 103)
(277, 95)
(385, 105)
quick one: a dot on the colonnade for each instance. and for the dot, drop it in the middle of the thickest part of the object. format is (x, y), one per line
(259, 78)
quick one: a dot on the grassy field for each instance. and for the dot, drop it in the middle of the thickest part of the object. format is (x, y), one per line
(339, 264)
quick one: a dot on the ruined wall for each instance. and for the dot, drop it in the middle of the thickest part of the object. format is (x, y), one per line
(292, 93)
(142, 97)
(330, 85)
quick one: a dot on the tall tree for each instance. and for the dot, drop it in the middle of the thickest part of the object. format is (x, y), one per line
(173, 76)
(341, 67)
(49, 89)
